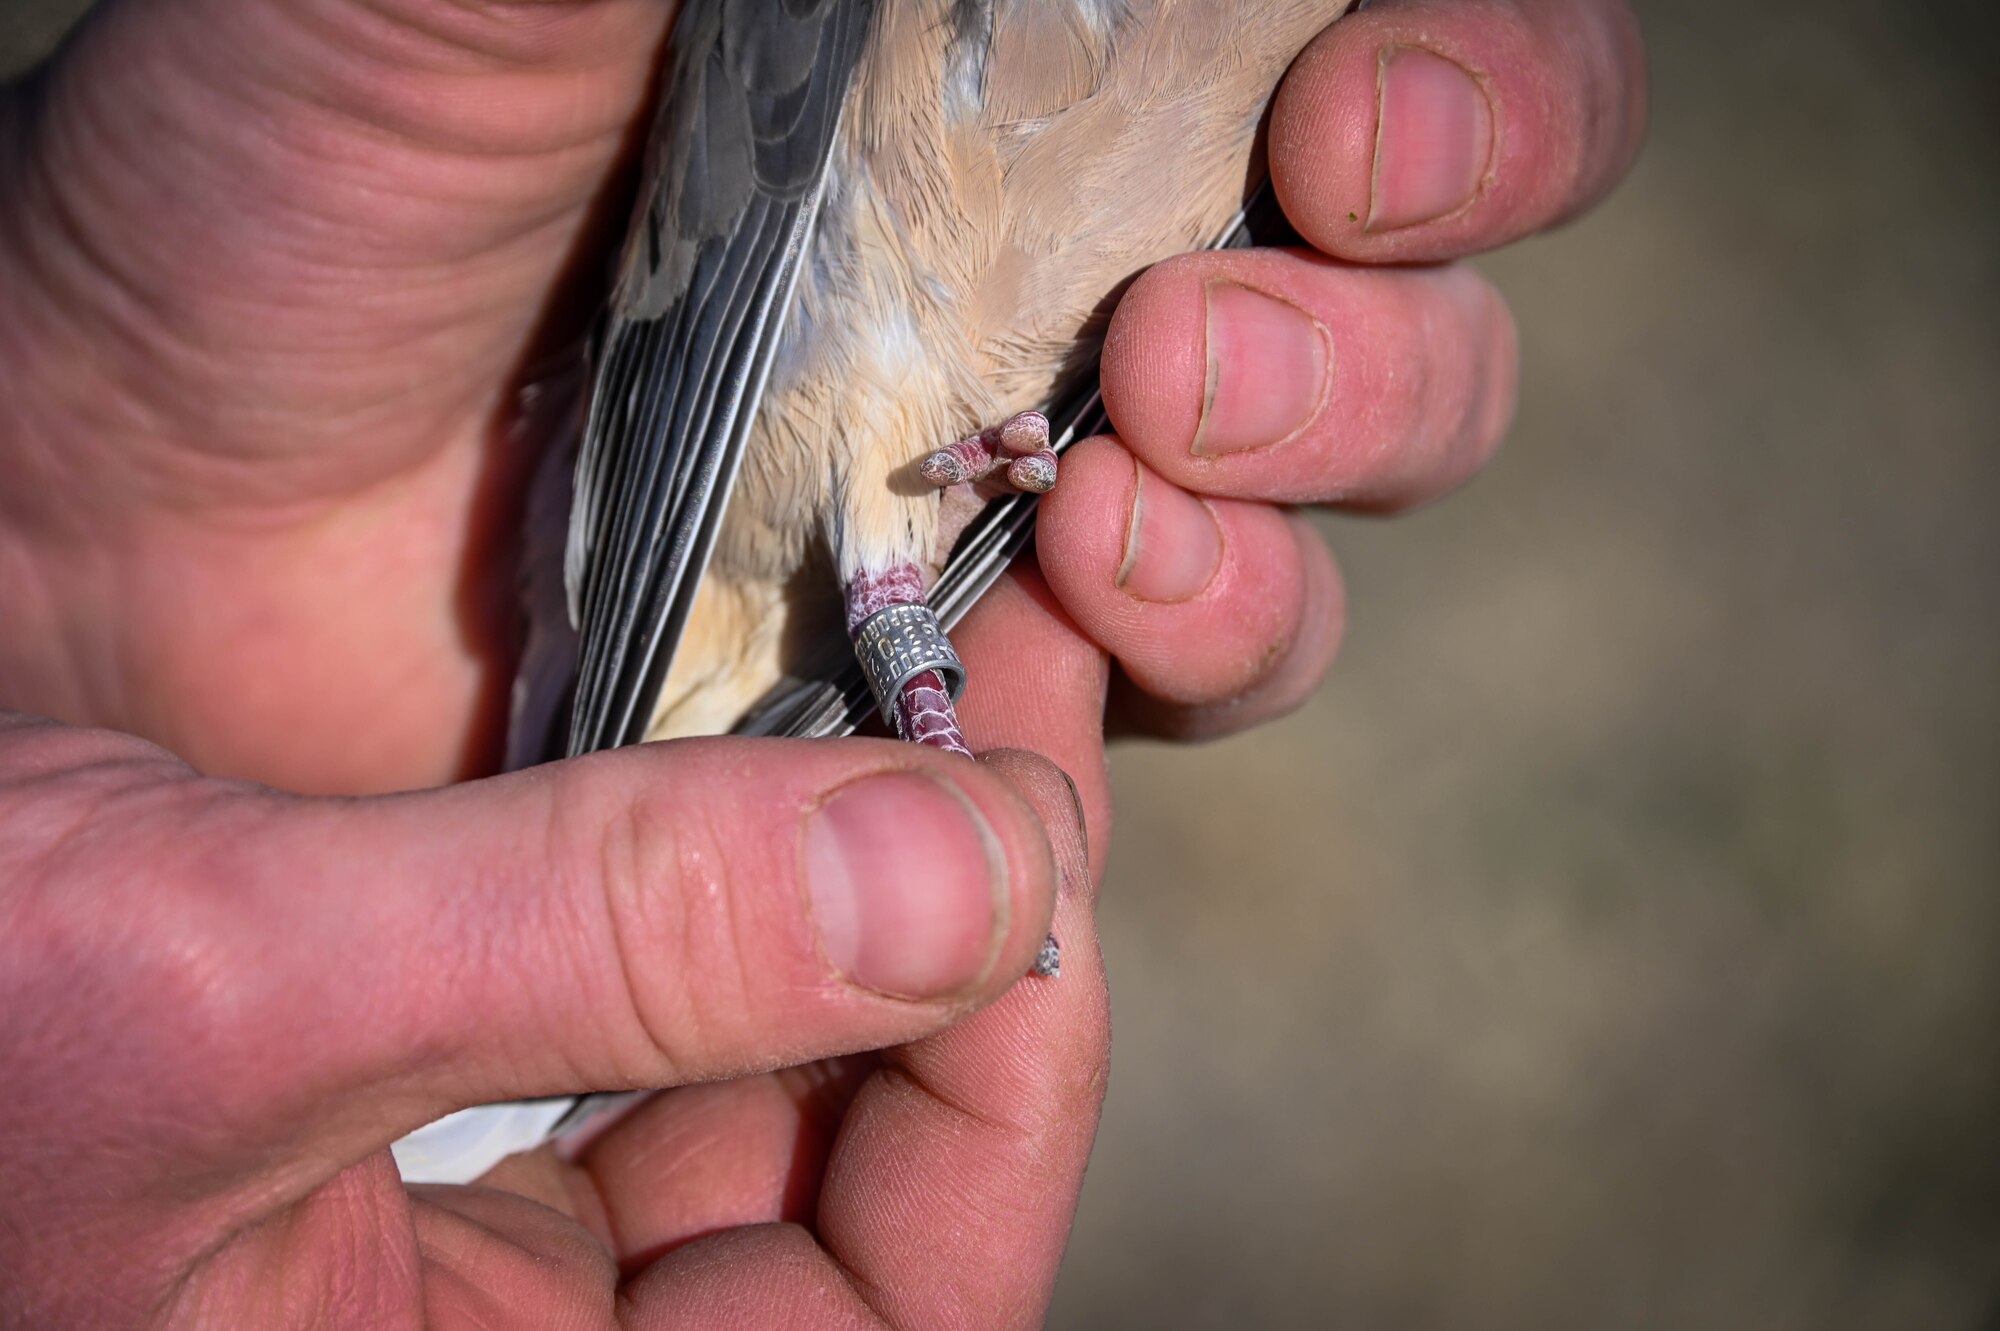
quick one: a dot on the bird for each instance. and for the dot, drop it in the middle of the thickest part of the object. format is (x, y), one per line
(874, 242)
(856, 315)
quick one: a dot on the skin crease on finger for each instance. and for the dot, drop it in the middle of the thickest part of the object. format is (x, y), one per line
(1215, 645)
(1566, 81)
(762, 1143)
(1424, 369)
(1289, 672)
(343, 738)
(1237, 657)
(315, 1231)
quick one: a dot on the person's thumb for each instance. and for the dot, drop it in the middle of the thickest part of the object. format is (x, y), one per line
(304, 980)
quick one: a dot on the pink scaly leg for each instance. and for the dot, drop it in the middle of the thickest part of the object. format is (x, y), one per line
(925, 713)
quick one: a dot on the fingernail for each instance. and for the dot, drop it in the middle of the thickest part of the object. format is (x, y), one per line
(908, 886)
(1433, 139)
(1267, 362)
(1172, 545)
(1082, 820)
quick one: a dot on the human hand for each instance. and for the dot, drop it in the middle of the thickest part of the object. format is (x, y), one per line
(234, 548)
(223, 1003)
(1367, 373)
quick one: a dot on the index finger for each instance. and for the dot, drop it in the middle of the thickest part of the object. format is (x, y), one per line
(1420, 130)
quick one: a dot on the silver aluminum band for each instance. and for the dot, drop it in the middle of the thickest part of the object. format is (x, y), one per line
(900, 643)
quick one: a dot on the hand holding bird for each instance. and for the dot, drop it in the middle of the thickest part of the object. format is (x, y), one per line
(277, 277)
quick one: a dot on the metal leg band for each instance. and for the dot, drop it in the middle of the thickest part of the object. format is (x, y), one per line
(898, 644)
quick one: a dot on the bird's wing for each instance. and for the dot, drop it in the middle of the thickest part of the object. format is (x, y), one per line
(732, 183)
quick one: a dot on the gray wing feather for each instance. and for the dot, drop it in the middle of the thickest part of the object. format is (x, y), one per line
(729, 194)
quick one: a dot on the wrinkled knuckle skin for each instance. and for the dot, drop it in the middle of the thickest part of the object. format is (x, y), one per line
(685, 925)
(644, 927)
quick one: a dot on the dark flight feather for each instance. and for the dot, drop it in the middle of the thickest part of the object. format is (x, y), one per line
(730, 191)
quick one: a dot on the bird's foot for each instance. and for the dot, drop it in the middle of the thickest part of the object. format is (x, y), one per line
(915, 673)
(1014, 455)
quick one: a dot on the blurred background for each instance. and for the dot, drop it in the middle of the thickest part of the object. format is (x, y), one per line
(1615, 941)
(1612, 943)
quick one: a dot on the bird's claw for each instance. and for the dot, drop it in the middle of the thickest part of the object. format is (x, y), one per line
(1014, 454)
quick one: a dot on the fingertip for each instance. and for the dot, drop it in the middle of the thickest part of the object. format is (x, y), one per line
(1430, 129)
(1034, 835)
(1219, 644)
(1057, 802)
(1293, 674)
(1322, 138)
(1199, 647)
(695, 909)
(1085, 521)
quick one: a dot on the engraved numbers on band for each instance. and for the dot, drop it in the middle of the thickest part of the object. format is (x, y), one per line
(896, 645)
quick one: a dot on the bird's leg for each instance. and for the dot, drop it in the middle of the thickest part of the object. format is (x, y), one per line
(1014, 455)
(922, 711)
(898, 650)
